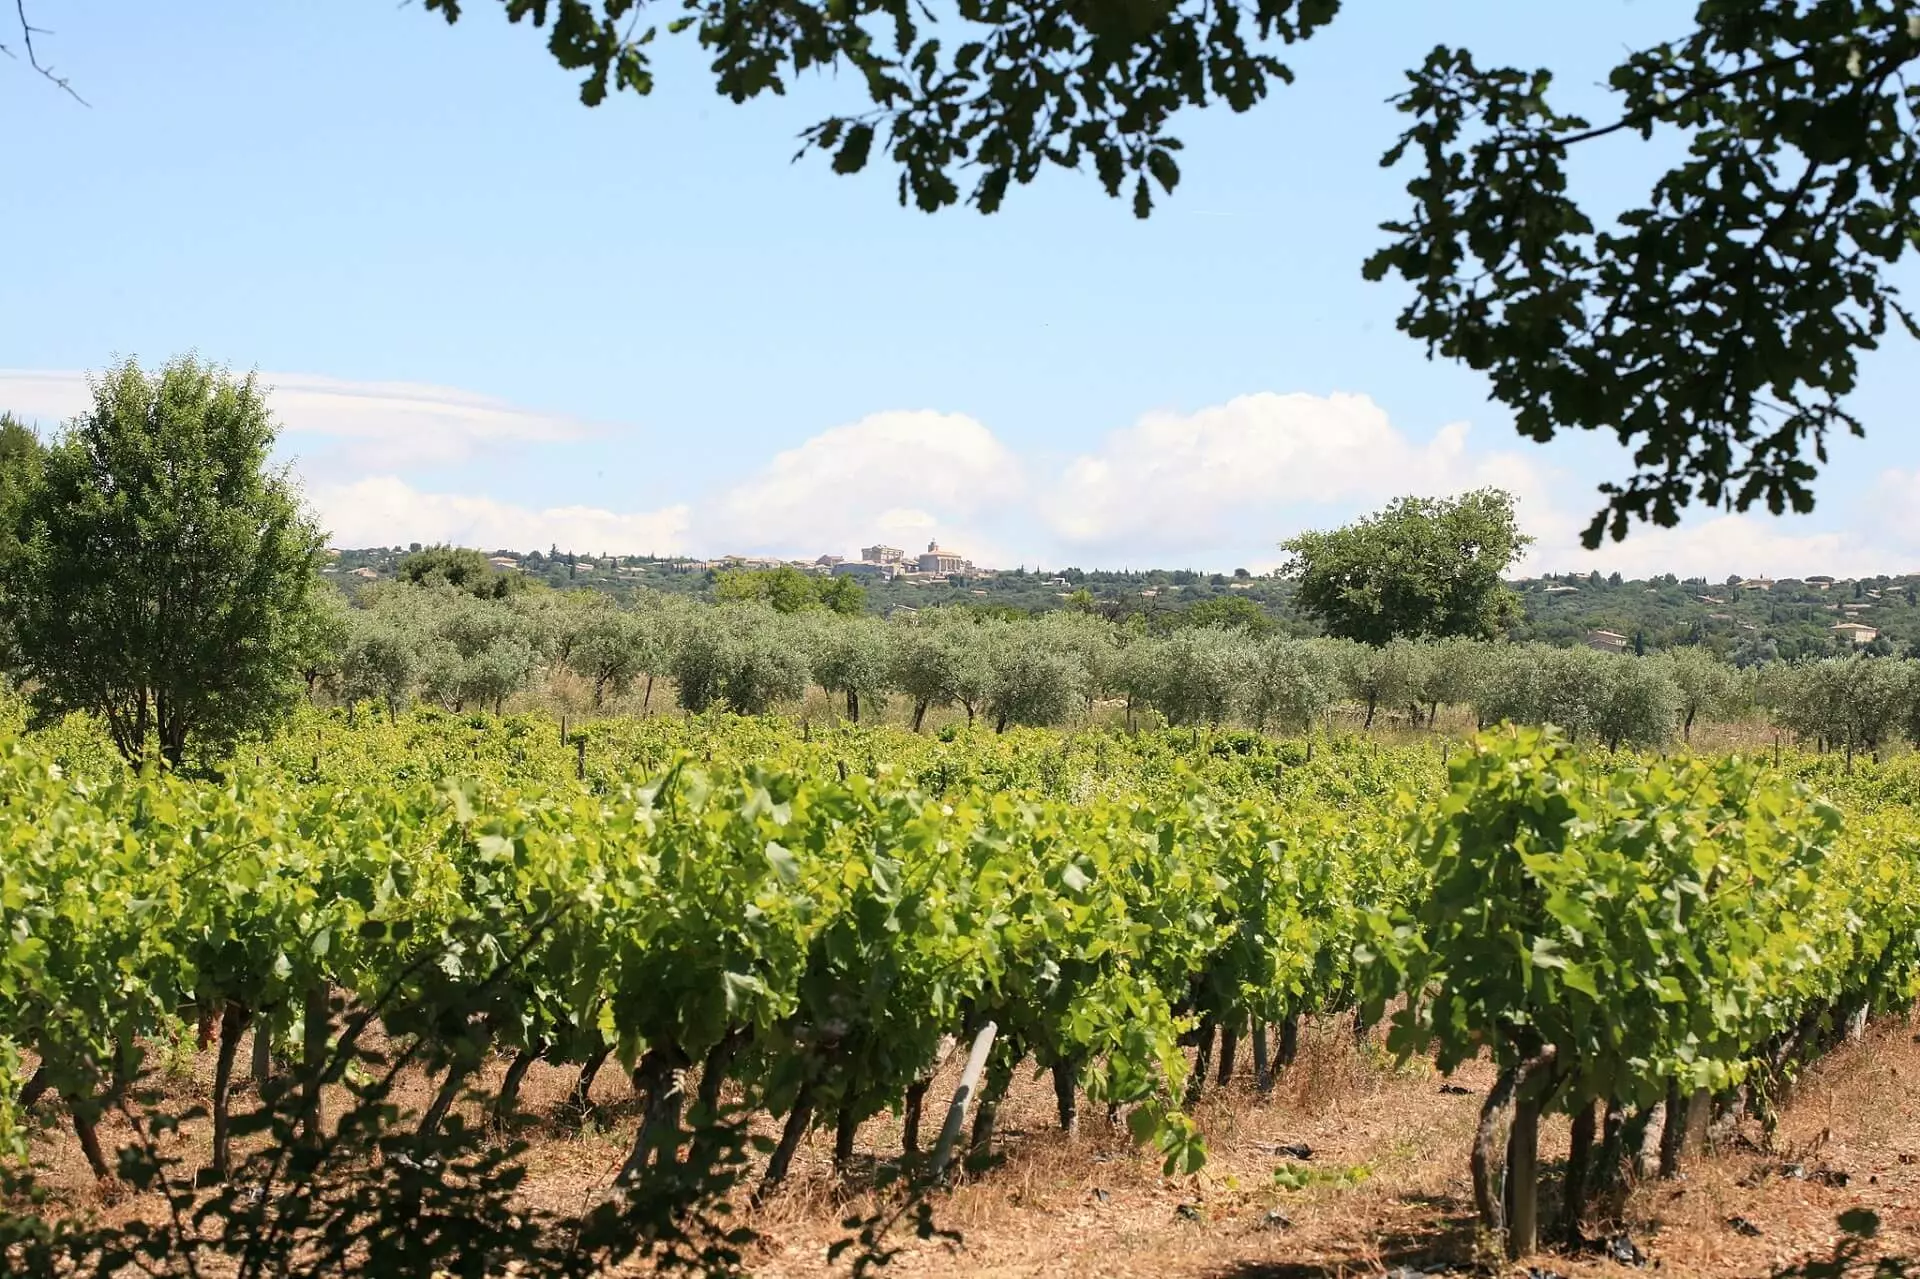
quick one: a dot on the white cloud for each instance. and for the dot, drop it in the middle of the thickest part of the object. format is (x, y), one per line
(1216, 488)
(386, 511)
(899, 475)
(43, 397)
(1248, 472)
(357, 426)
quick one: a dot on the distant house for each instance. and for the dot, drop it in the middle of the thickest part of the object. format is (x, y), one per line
(364, 571)
(1819, 582)
(1757, 584)
(882, 554)
(866, 570)
(503, 561)
(1562, 590)
(828, 561)
(940, 562)
(1855, 632)
(1607, 641)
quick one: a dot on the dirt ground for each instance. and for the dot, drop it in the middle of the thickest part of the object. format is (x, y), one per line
(1383, 1184)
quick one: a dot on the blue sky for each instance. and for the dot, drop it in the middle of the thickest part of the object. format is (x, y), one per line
(494, 316)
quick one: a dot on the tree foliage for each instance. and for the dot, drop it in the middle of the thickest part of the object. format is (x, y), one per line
(1716, 330)
(1019, 87)
(1715, 327)
(462, 568)
(1421, 567)
(789, 590)
(164, 581)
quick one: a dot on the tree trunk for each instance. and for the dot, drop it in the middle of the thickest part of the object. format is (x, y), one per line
(1573, 1191)
(988, 1115)
(443, 1100)
(262, 1066)
(1262, 1067)
(1686, 730)
(1202, 1061)
(316, 1020)
(81, 1111)
(1613, 1143)
(1000, 724)
(853, 705)
(646, 701)
(916, 1102)
(1673, 1132)
(34, 1089)
(580, 1101)
(1486, 1162)
(1699, 1116)
(1523, 1175)
(508, 1099)
(233, 1023)
(1535, 1083)
(1644, 1132)
(1066, 1094)
(919, 713)
(1373, 704)
(656, 1080)
(714, 1072)
(798, 1120)
(1229, 1049)
(845, 1129)
(1289, 1040)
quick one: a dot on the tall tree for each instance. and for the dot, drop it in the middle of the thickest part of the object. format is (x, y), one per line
(1422, 567)
(165, 580)
(22, 459)
(462, 568)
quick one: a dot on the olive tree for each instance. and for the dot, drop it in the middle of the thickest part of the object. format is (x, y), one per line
(1381, 675)
(610, 648)
(1451, 674)
(1635, 703)
(477, 651)
(1199, 675)
(924, 666)
(1291, 683)
(1706, 685)
(381, 660)
(164, 577)
(853, 657)
(1031, 681)
(745, 656)
(1134, 672)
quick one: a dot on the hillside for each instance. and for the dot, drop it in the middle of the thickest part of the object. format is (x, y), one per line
(1745, 620)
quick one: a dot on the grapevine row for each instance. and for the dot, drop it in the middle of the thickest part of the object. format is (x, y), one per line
(807, 918)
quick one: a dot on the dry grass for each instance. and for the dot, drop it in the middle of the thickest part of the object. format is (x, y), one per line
(1389, 1150)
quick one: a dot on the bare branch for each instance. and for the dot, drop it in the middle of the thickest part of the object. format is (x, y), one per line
(27, 32)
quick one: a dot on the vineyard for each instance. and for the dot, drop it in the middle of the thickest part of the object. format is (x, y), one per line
(797, 928)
